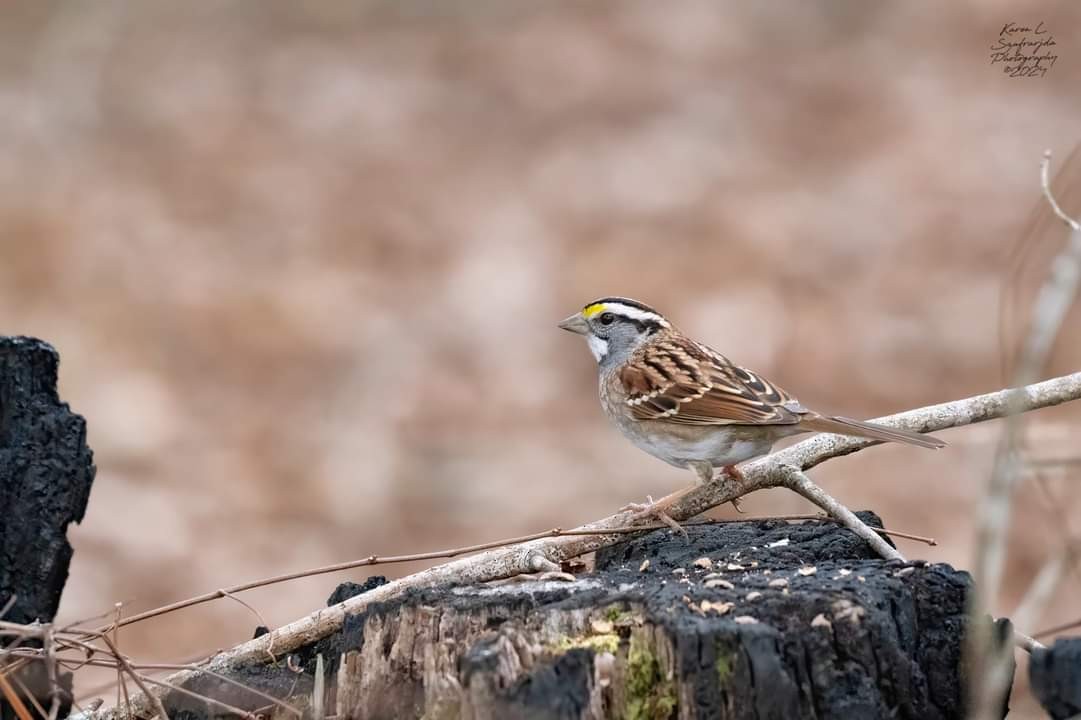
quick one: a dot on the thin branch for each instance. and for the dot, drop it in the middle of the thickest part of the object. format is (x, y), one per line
(13, 698)
(1045, 185)
(8, 605)
(183, 691)
(1055, 630)
(1041, 589)
(1026, 643)
(799, 483)
(122, 663)
(121, 686)
(759, 474)
(48, 646)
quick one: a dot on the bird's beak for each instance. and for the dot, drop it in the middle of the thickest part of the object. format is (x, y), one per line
(576, 324)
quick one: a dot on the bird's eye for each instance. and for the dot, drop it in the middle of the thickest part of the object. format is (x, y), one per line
(607, 318)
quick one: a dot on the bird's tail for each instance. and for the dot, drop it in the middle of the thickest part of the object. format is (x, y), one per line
(872, 431)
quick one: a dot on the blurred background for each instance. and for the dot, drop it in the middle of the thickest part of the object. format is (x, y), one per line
(303, 265)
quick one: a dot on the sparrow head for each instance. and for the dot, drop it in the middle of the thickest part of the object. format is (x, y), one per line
(615, 327)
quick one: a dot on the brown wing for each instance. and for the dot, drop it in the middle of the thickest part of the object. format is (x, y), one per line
(681, 381)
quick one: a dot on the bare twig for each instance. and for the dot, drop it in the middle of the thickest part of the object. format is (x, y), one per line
(1026, 643)
(1041, 589)
(1056, 629)
(1045, 186)
(122, 663)
(795, 480)
(183, 691)
(8, 605)
(121, 686)
(524, 558)
(48, 646)
(42, 713)
(13, 698)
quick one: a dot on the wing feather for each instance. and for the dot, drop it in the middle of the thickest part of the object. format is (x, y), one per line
(685, 382)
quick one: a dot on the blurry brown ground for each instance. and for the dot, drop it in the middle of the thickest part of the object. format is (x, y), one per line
(303, 266)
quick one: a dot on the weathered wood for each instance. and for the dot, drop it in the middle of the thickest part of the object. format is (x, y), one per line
(46, 470)
(747, 620)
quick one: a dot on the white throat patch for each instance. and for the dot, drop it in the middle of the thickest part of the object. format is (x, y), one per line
(597, 346)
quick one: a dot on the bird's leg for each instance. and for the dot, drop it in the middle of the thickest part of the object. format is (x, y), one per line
(704, 472)
(731, 472)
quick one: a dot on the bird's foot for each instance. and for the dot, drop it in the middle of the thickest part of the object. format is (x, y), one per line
(655, 511)
(731, 472)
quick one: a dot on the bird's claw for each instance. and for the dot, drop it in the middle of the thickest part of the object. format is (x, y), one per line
(650, 509)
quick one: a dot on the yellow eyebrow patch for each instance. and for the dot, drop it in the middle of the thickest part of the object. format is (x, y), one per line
(591, 310)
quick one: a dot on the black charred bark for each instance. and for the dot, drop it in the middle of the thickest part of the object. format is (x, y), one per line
(1055, 675)
(46, 470)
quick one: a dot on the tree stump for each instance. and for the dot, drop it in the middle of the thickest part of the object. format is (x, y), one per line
(46, 470)
(758, 619)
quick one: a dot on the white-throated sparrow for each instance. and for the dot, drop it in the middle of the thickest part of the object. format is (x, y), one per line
(687, 404)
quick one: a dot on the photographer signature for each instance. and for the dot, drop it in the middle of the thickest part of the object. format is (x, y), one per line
(1024, 51)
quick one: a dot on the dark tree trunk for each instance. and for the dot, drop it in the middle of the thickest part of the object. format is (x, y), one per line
(747, 620)
(46, 470)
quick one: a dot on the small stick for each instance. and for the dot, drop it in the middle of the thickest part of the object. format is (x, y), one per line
(13, 698)
(1026, 643)
(794, 479)
(48, 646)
(184, 691)
(121, 686)
(122, 662)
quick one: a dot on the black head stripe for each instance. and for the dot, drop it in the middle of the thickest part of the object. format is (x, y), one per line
(647, 327)
(624, 301)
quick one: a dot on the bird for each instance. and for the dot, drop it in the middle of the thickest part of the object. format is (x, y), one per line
(690, 406)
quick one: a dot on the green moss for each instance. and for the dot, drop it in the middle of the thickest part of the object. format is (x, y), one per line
(614, 614)
(603, 643)
(724, 666)
(650, 694)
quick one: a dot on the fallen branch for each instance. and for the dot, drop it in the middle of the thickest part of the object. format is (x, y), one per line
(545, 554)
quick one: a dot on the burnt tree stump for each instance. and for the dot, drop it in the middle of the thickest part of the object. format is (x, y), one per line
(1055, 674)
(46, 470)
(758, 619)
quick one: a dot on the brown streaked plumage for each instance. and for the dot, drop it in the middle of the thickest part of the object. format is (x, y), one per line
(687, 404)
(678, 380)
